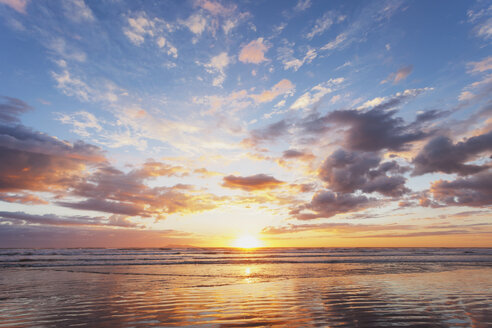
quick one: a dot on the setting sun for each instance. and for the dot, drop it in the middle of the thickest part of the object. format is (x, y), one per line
(247, 241)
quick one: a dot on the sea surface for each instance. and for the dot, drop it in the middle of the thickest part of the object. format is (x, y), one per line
(223, 287)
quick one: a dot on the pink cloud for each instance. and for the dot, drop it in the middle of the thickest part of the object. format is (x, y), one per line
(254, 52)
(17, 5)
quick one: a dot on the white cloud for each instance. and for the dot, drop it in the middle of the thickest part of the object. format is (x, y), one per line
(408, 93)
(321, 25)
(485, 29)
(72, 86)
(480, 66)
(195, 23)
(315, 94)
(81, 122)
(141, 27)
(228, 26)
(286, 56)
(217, 66)
(335, 43)
(60, 48)
(78, 11)
(302, 5)
(280, 104)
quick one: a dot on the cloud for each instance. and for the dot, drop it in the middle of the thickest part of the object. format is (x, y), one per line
(139, 27)
(11, 108)
(302, 5)
(24, 198)
(195, 23)
(81, 122)
(471, 191)
(441, 155)
(251, 183)
(72, 86)
(102, 205)
(348, 172)
(268, 133)
(286, 56)
(78, 11)
(55, 220)
(332, 227)
(292, 153)
(402, 73)
(34, 161)
(26, 235)
(375, 129)
(477, 90)
(430, 115)
(322, 24)
(485, 29)
(399, 75)
(215, 8)
(60, 48)
(113, 191)
(326, 204)
(217, 65)
(17, 5)
(316, 94)
(335, 43)
(284, 87)
(481, 66)
(254, 52)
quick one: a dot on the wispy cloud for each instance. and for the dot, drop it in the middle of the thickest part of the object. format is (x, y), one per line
(401, 74)
(17, 5)
(217, 66)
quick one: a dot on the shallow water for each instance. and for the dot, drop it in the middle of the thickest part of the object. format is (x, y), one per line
(230, 288)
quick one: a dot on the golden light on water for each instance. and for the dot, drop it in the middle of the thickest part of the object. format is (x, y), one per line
(247, 242)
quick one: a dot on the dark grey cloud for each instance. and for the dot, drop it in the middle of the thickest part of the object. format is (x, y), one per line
(346, 172)
(35, 161)
(251, 183)
(431, 115)
(376, 129)
(11, 108)
(102, 205)
(292, 153)
(471, 191)
(441, 155)
(50, 236)
(51, 219)
(113, 191)
(326, 204)
(269, 133)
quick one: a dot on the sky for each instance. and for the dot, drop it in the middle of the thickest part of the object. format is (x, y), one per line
(198, 122)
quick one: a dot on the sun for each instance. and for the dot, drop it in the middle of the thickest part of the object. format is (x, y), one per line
(247, 242)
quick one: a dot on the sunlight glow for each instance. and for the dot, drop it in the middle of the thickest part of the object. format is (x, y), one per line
(247, 242)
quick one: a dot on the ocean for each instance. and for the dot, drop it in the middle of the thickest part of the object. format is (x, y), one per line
(224, 287)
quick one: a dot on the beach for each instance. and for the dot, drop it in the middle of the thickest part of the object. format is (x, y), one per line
(237, 288)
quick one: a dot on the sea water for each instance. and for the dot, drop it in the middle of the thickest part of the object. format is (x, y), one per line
(223, 287)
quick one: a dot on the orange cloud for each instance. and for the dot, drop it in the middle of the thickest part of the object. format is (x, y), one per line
(281, 88)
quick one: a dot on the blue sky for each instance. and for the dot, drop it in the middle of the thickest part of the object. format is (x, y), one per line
(194, 122)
